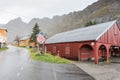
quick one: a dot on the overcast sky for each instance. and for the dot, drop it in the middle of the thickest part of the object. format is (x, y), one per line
(28, 9)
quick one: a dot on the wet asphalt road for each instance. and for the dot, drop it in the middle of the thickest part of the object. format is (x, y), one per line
(16, 65)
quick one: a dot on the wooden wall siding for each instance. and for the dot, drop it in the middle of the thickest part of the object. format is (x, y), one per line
(3, 32)
(111, 36)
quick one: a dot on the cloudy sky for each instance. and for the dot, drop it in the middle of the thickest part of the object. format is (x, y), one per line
(28, 9)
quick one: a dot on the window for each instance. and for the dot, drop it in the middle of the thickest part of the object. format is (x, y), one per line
(54, 49)
(67, 50)
(23, 43)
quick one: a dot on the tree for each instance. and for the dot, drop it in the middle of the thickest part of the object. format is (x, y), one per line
(17, 39)
(90, 23)
(35, 31)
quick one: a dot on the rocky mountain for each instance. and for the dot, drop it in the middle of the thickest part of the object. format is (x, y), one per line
(15, 28)
(101, 11)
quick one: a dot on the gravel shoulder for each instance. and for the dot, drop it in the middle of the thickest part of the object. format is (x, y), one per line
(103, 71)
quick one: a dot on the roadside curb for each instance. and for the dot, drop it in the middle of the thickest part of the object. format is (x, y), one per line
(75, 63)
(118, 62)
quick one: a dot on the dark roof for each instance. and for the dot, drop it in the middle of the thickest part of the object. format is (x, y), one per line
(82, 34)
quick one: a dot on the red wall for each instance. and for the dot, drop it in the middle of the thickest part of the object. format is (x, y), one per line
(110, 37)
(74, 47)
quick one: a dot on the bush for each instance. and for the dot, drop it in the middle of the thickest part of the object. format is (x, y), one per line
(38, 54)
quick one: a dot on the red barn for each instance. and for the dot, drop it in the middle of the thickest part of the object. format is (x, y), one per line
(93, 42)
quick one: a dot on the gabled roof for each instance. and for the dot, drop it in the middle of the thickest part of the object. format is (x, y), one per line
(93, 32)
(25, 37)
(3, 28)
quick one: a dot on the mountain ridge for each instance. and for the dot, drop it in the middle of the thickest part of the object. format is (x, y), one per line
(100, 11)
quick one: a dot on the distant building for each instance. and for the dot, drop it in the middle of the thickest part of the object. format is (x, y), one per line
(3, 37)
(93, 42)
(24, 42)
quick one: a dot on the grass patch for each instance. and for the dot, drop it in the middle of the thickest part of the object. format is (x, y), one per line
(47, 58)
(3, 49)
(23, 46)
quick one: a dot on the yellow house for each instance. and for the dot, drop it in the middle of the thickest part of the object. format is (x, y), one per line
(3, 37)
(24, 42)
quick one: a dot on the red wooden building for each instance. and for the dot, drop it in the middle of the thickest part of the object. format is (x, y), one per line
(93, 42)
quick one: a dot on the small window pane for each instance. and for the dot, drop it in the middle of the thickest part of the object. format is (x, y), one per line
(67, 50)
(54, 49)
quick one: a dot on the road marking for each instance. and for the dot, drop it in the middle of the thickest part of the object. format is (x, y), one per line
(54, 71)
(18, 74)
